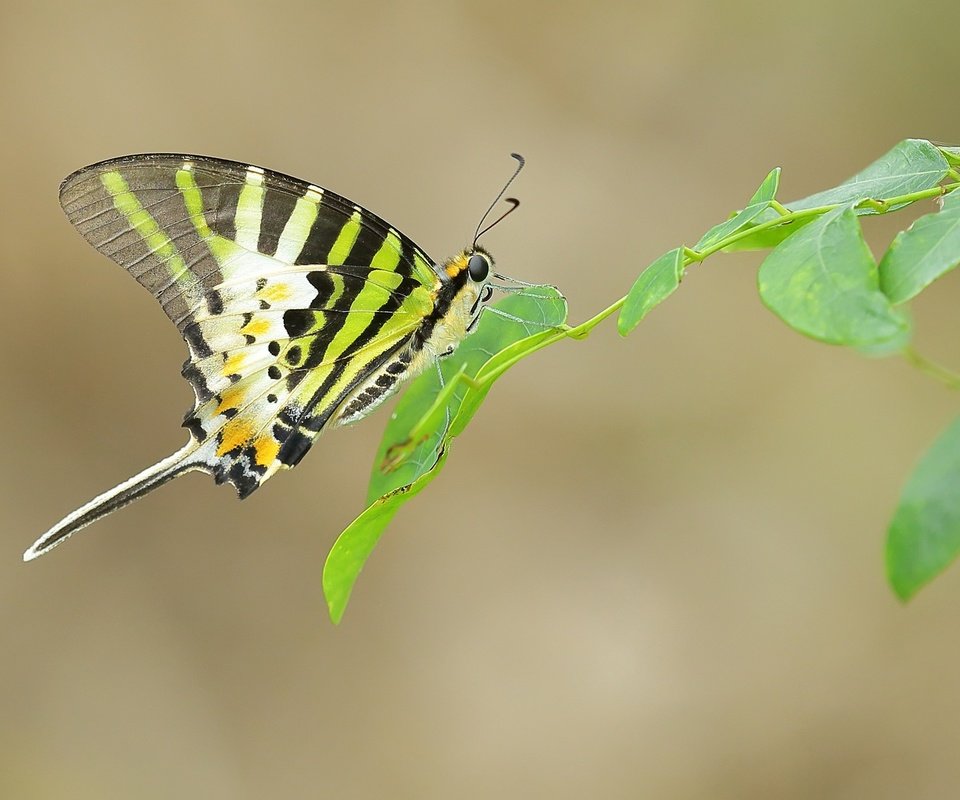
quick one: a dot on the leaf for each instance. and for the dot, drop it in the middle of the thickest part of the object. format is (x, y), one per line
(531, 312)
(929, 248)
(952, 154)
(911, 166)
(823, 282)
(354, 546)
(924, 535)
(893, 346)
(767, 238)
(498, 342)
(758, 203)
(654, 285)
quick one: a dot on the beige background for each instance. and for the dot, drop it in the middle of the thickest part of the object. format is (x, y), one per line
(652, 567)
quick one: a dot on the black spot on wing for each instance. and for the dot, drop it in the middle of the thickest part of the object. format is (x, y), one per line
(214, 302)
(297, 321)
(195, 427)
(194, 337)
(242, 478)
(196, 379)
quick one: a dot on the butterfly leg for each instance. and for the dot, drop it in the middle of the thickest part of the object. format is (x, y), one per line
(446, 424)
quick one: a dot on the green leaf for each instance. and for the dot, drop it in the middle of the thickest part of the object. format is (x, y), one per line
(407, 461)
(758, 203)
(655, 284)
(929, 248)
(528, 313)
(952, 154)
(823, 282)
(893, 346)
(911, 166)
(767, 238)
(352, 548)
(924, 535)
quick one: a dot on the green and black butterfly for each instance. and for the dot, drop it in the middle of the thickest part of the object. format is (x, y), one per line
(301, 309)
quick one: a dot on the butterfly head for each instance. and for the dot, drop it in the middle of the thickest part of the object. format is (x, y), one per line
(467, 276)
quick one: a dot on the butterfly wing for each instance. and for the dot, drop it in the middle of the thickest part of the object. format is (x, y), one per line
(287, 294)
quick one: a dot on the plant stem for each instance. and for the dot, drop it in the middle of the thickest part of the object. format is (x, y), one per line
(786, 216)
(947, 377)
(565, 332)
(880, 206)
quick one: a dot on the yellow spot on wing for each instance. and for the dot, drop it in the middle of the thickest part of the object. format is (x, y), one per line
(256, 327)
(266, 449)
(234, 434)
(275, 292)
(230, 398)
(233, 364)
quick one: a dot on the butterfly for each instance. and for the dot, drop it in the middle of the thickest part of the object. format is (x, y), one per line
(301, 309)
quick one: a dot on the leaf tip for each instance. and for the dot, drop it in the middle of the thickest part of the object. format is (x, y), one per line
(334, 594)
(625, 326)
(901, 585)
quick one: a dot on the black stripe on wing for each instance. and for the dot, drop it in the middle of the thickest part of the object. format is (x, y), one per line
(152, 182)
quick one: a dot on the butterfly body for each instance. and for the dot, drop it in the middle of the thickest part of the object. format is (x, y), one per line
(300, 309)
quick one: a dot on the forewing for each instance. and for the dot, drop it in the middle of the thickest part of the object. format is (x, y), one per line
(287, 294)
(182, 225)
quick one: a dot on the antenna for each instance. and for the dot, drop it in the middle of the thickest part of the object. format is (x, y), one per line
(514, 203)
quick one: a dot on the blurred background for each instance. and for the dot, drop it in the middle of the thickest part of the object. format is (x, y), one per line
(652, 567)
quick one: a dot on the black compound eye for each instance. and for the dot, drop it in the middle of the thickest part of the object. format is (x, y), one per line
(478, 267)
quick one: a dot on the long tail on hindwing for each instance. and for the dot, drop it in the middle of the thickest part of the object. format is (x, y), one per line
(173, 466)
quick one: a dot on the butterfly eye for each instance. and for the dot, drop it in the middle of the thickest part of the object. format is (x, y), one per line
(478, 267)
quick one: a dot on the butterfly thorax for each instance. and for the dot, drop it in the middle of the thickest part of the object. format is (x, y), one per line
(458, 300)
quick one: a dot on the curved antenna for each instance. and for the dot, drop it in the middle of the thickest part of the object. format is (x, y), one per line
(514, 205)
(520, 162)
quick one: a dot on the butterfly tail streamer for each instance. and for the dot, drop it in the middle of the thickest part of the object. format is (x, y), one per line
(184, 460)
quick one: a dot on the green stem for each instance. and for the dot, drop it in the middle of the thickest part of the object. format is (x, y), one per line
(880, 206)
(786, 217)
(565, 332)
(947, 377)
(581, 331)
